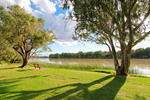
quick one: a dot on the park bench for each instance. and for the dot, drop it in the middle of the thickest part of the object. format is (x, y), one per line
(37, 65)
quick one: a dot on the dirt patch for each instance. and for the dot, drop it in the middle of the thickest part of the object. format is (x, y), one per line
(36, 69)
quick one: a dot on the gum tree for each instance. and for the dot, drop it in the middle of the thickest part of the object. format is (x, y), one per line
(24, 32)
(115, 23)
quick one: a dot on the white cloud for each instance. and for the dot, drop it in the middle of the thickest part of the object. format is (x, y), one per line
(73, 51)
(36, 13)
(41, 6)
(6, 3)
(26, 4)
(35, 2)
(45, 5)
(63, 29)
(67, 43)
(143, 44)
(91, 46)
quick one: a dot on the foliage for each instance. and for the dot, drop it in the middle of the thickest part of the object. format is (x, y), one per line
(24, 32)
(62, 84)
(139, 53)
(115, 23)
(97, 54)
(6, 53)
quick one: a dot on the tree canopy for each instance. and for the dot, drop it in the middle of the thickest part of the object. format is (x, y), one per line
(115, 23)
(139, 53)
(24, 32)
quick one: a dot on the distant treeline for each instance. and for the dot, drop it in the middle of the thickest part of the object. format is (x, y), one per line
(139, 53)
(40, 57)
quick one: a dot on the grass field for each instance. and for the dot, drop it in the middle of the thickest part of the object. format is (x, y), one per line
(64, 84)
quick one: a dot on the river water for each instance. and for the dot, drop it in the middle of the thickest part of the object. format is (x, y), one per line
(142, 66)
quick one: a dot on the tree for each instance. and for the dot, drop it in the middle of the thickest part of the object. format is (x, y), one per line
(141, 53)
(115, 23)
(24, 32)
(5, 51)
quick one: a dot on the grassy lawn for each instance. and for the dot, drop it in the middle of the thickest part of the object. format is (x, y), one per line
(65, 84)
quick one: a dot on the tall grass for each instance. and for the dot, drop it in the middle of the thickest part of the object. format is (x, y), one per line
(87, 67)
(91, 67)
(73, 66)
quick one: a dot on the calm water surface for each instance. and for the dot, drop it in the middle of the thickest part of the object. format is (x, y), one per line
(142, 65)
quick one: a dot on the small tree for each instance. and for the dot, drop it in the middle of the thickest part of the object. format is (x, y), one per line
(115, 23)
(24, 32)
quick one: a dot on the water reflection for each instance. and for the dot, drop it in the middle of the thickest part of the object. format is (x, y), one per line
(142, 66)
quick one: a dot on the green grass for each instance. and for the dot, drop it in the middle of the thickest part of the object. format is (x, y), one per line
(5, 62)
(64, 84)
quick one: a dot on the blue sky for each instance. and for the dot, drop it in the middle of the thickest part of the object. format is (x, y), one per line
(55, 16)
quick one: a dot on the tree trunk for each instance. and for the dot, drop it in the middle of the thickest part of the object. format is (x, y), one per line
(15, 58)
(113, 51)
(116, 62)
(125, 62)
(25, 55)
(25, 60)
(25, 63)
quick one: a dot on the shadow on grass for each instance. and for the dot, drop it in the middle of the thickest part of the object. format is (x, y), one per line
(18, 67)
(107, 92)
(9, 66)
(137, 97)
(101, 71)
(5, 68)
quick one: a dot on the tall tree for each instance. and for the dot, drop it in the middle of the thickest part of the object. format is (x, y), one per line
(24, 32)
(115, 23)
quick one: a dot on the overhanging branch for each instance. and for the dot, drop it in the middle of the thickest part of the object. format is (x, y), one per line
(146, 16)
(140, 39)
(19, 52)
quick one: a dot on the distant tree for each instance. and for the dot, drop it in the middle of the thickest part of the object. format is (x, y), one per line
(98, 54)
(147, 52)
(115, 23)
(89, 55)
(57, 55)
(141, 53)
(81, 54)
(24, 32)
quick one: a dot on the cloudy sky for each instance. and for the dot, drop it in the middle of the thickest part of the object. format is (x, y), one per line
(55, 18)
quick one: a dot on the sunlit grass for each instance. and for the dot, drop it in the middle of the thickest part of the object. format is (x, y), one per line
(64, 84)
(4, 62)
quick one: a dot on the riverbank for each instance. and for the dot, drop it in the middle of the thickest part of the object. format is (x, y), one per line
(86, 67)
(65, 84)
